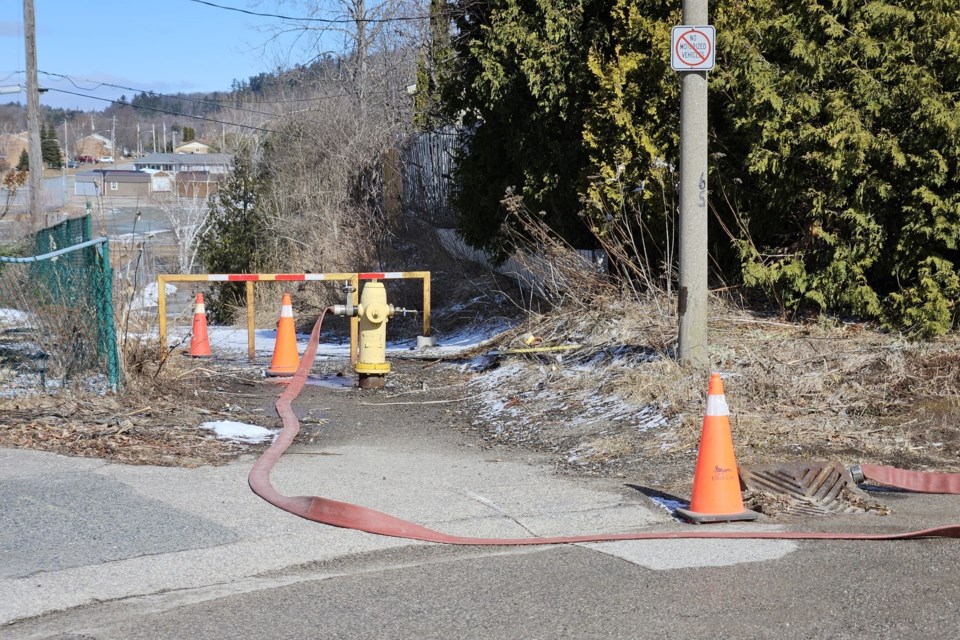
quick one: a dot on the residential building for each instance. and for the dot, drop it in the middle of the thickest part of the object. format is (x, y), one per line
(173, 163)
(194, 146)
(197, 184)
(94, 146)
(112, 182)
(11, 146)
(160, 181)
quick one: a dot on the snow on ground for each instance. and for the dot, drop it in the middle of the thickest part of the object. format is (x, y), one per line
(521, 398)
(233, 342)
(14, 318)
(20, 360)
(149, 296)
(557, 399)
(240, 432)
(562, 402)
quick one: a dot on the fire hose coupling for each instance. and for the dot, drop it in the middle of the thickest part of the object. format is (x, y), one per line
(347, 309)
(856, 472)
(375, 313)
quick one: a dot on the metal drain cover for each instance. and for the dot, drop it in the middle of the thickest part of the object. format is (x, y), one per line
(804, 488)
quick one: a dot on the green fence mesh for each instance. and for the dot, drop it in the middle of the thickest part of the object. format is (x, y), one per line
(56, 310)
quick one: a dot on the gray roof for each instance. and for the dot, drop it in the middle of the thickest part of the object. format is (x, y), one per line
(113, 175)
(186, 158)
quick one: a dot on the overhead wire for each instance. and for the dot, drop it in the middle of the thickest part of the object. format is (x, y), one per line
(167, 111)
(178, 113)
(73, 81)
(311, 19)
(177, 96)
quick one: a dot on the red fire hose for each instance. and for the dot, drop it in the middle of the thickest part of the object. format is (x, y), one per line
(351, 516)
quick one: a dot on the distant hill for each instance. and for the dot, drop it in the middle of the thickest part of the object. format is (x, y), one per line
(141, 122)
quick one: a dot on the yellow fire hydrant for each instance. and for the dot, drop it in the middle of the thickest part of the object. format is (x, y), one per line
(373, 312)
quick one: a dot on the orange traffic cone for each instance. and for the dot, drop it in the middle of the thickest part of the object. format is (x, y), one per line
(199, 343)
(716, 483)
(285, 359)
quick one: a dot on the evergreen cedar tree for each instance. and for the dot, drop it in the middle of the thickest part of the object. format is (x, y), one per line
(235, 239)
(834, 140)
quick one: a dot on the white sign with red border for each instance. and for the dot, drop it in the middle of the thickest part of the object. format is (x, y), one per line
(693, 48)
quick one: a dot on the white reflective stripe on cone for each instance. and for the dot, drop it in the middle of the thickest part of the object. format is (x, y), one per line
(286, 311)
(717, 406)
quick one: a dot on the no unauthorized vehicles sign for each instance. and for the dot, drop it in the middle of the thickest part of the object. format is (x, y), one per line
(693, 48)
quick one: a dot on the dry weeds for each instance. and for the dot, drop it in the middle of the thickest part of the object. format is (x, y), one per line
(820, 389)
(154, 420)
(816, 390)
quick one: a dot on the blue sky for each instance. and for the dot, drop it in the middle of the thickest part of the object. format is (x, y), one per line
(165, 47)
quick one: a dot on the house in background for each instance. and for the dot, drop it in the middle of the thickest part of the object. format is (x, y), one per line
(11, 146)
(194, 146)
(173, 163)
(160, 181)
(94, 146)
(112, 182)
(197, 184)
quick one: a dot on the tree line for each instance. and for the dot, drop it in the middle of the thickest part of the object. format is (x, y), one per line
(834, 142)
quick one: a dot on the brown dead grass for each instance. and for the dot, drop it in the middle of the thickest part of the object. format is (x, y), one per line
(796, 389)
(793, 388)
(819, 389)
(154, 419)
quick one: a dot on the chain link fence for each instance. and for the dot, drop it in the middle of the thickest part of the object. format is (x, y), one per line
(56, 310)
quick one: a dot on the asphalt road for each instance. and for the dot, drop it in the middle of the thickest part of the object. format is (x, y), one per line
(97, 551)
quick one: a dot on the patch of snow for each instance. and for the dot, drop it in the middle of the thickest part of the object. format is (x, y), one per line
(150, 295)
(240, 432)
(15, 318)
(130, 238)
(669, 505)
(232, 341)
(523, 397)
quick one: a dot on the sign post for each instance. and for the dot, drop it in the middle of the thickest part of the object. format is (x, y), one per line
(692, 53)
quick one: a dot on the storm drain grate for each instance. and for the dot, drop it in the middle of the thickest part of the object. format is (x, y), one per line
(804, 488)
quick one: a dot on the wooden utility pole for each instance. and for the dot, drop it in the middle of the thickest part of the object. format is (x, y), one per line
(38, 219)
(692, 305)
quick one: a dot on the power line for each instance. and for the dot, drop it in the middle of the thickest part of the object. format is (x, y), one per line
(146, 92)
(176, 96)
(306, 19)
(167, 111)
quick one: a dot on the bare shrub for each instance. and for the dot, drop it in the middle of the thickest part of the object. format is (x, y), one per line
(325, 193)
(188, 214)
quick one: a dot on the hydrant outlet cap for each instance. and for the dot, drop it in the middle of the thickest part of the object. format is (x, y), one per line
(376, 313)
